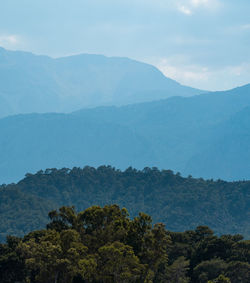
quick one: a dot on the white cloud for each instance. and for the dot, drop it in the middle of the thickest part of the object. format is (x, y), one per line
(188, 7)
(9, 41)
(199, 2)
(184, 73)
(184, 10)
(180, 69)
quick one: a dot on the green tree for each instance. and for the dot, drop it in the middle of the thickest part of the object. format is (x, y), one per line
(56, 256)
(241, 251)
(104, 245)
(118, 263)
(238, 272)
(220, 279)
(65, 218)
(104, 225)
(154, 250)
(177, 272)
(12, 264)
(209, 269)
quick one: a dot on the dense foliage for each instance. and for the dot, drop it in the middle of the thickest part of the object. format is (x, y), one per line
(180, 203)
(105, 245)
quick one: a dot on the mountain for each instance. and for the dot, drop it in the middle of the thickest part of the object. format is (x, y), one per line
(180, 203)
(184, 131)
(205, 136)
(31, 83)
(229, 152)
(34, 141)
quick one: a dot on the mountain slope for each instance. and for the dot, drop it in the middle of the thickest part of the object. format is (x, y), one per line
(180, 203)
(180, 128)
(34, 141)
(229, 152)
(30, 83)
(176, 133)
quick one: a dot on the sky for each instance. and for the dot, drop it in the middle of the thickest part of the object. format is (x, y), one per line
(200, 43)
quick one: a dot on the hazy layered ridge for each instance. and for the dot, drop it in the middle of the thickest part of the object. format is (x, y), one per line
(32, 142)
(206, 136)
(30, 83)
(187, 132)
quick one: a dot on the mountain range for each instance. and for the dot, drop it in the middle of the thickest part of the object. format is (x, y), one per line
(204, 136)
(31, 83)
(167, 125)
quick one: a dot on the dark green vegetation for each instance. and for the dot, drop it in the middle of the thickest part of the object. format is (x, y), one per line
(105, 245)
(205, 136)
(180, 203)
(30, 83)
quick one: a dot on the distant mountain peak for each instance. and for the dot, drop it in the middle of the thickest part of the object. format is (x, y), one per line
(36, 83)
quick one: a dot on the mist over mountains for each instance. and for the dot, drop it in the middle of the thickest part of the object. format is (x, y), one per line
(31, 83)
(205, 136)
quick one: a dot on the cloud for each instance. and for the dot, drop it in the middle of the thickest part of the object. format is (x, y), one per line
(183, 72)
(180, 69)
(9, 41)
(185, 10)
(189, 7)
(196, 3)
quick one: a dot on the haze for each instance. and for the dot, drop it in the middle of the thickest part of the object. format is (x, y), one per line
(200, 43)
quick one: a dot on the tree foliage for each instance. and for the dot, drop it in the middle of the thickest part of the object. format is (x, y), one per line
(105, 245)
(181, 203)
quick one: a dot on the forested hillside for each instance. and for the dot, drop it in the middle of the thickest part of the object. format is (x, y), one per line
(104, 245)
(180, 203)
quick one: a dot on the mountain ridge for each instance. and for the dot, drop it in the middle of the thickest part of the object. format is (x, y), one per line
(170, 133)
(38, 83)
(181, 203)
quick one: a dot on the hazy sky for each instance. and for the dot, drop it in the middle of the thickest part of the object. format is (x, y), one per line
(201, 43)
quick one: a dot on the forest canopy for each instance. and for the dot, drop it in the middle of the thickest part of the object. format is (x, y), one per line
(180, 203)
(103, 244)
